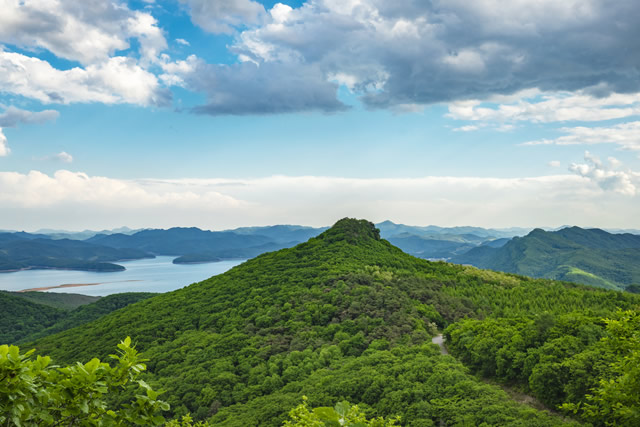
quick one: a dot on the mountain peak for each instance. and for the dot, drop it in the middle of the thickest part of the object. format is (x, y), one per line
(352, 231)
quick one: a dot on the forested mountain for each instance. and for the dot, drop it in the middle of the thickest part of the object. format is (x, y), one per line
(348, 316)
(23, 251)
(593, 257)
(30, 317)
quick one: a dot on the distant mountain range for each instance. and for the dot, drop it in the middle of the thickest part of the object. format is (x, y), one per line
(27, 251)
(593, 257)
(97, 251)
(588, 256)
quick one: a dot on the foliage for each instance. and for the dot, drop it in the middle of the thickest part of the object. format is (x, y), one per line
(24, 320)
(34, 392)
(21, 317)
(615, 399)
(57, 299)
(343, 414)
(582, 363)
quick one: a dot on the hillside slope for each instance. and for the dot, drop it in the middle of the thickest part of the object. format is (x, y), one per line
(592, 257)
(343, 316)
(35, 316)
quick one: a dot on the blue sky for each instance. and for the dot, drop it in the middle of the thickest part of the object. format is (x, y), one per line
(236, 112)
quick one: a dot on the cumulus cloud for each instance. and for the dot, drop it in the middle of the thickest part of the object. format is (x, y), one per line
(222, 16)
(88, 31)
(417, 53)
(623, 182)
(12, 116)
(625, 135)
(4, 148)
(183, 42)
(248, 88)
(117, 80)
(75, 200)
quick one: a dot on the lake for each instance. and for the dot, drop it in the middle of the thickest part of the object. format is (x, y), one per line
(145, 275)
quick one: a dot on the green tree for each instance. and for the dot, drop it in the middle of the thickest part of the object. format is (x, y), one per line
(35, 392)
(343, 414)
(616, 401)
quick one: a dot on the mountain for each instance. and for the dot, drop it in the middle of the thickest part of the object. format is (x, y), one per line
(180, 241)
(282, 233)
(193, 245)
(82, 235)
(432, 242)
(26, 251)
(28, 316)
(343, 316)
(593, 257)
(430, 248)
(388, 228)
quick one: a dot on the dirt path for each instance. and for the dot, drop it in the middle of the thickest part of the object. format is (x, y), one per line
(439, 339)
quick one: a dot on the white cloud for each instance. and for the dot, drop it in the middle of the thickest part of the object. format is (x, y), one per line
(64, 157)
(76, 200)
(4, 148)
(550, 107)
(222, 16)
(118, 80)
(555, 164)
(625, 135)
(87, 31)
(467, 128)
(623, 182)
(183, 42)
(12, 116)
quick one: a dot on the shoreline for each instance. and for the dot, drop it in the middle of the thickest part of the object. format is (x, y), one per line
(72, 285)
(33, 267)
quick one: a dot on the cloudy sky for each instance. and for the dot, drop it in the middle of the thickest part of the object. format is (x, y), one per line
(224, 113)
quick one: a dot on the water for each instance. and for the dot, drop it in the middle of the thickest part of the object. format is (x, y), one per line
(145, 275)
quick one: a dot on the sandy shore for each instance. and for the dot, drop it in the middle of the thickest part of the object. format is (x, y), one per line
(72, 285)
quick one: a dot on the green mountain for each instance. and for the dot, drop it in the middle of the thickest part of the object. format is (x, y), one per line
(344, 316)
(28, 316)
(60, 300)
(592, 257)
(24, 251)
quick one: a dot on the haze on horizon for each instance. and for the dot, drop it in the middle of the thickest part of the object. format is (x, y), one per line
(238, 112)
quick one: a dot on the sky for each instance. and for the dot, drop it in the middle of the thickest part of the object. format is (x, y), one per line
(228, 113)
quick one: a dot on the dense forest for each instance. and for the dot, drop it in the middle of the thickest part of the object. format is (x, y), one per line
(347, 316)
(31, 315)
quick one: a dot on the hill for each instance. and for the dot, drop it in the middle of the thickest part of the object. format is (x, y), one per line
(593, 257)
(24, 318)
(58, 300)
(345, 315)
